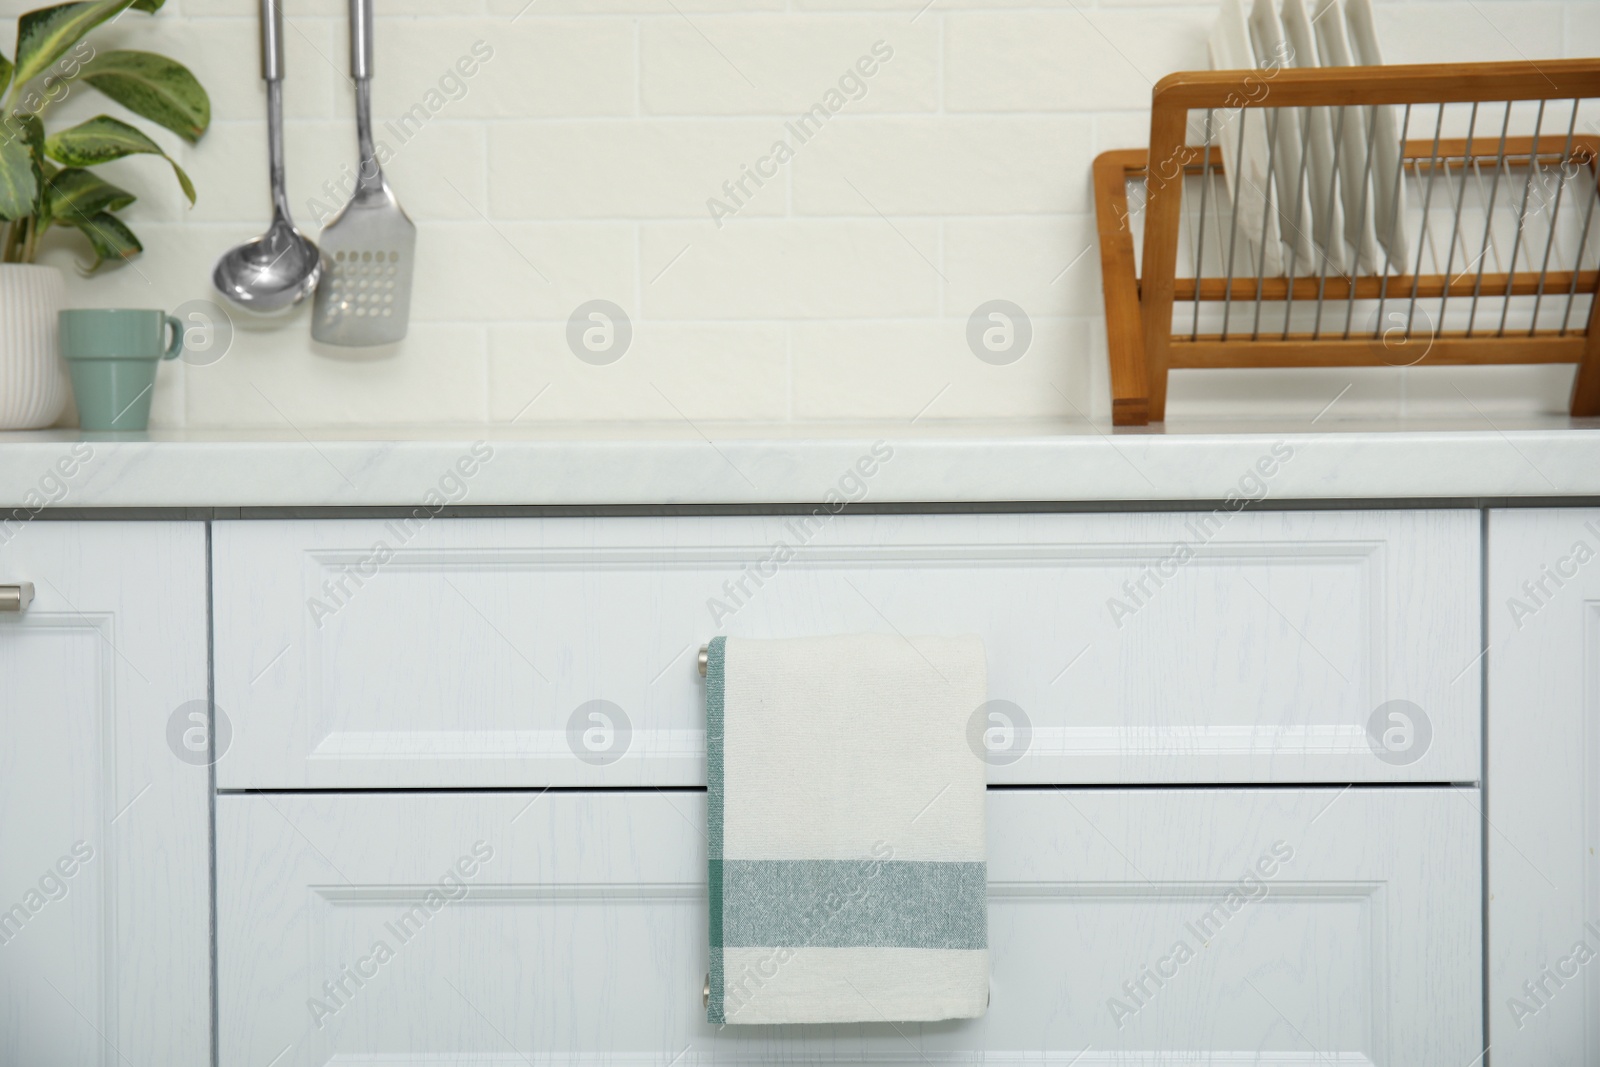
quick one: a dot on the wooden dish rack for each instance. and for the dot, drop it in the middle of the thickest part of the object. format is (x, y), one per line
(1517, 140)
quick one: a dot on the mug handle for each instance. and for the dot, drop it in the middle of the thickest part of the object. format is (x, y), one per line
(176, 347)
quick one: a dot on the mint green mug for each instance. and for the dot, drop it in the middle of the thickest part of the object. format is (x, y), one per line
(112, 353)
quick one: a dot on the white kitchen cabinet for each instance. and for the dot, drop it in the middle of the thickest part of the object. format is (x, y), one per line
(1543, 778)
(1252, 647)
(569, 928)
(104, 839)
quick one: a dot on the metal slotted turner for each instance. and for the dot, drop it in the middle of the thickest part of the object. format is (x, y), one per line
(369, 249)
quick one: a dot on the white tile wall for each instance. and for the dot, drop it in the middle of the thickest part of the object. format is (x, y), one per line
(576, 163)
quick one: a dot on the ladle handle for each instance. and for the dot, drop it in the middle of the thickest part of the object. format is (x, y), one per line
(361, 39)
(272, 71)
(272, 40)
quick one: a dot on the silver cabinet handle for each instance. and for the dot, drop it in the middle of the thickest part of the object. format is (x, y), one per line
(16, 597)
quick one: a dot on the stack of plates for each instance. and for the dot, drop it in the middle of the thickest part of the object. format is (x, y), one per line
(1337, 195)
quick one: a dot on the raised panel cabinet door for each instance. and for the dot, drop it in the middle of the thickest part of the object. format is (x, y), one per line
(105, 835)
(1543, 786)
(1134, 648)
(1277, 927)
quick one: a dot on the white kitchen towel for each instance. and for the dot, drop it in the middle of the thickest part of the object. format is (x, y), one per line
(845, 825)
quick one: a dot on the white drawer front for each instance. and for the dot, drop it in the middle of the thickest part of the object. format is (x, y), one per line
(1138, 647)
(1317, 926)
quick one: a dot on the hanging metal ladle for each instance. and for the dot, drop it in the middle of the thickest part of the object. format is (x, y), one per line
(281, 267)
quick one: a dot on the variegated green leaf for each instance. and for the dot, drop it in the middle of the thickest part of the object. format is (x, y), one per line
(43, 36)
(76, 195)
(161, 89)
(110, 239)
(33, 133)
(19, 182)
(102, 139)
(32, 130)
(5, 73)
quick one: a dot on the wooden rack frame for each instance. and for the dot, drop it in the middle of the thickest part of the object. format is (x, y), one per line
(1139, 307)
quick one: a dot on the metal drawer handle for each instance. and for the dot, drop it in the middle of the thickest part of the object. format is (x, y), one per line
(16, 597)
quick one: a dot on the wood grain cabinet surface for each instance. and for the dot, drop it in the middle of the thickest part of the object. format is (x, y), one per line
(1543, 774)
(105, 954)
(1152, 926)
(446, 803)
(1131, 648)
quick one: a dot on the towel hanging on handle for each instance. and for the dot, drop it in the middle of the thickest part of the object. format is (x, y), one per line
(845, 827)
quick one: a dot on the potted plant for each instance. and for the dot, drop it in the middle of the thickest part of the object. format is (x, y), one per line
(45, 179)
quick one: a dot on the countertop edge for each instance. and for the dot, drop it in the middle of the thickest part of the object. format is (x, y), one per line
(68, 472)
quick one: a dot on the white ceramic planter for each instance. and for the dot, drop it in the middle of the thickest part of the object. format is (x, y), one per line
(33, 377)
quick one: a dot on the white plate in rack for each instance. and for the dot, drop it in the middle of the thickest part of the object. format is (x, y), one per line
(1243, 139)
(1327, 229)
(1273, 54)
(1355, 185)
(1388, 184)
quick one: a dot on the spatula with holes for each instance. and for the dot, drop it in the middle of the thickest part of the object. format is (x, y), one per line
(369, 249)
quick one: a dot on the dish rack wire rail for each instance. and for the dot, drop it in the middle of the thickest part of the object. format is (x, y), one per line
(1492, 253)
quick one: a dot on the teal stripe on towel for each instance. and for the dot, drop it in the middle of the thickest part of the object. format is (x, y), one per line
(868, 903)
(715, 658)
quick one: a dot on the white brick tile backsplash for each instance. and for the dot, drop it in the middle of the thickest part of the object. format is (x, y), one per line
(671, 371)
(1121, 129)
(936, 166)
(652, 169)
(516, 271)
(592, 154)
(1582, 36)
(439, 174)
(854, 64)
(925, 370)
(1206, 5)
(323, 8)
(533, 9)
(1418, 392)
(230, 172)
(1482, 31)
(1047, 265)
(436, 375)
(791, 269)
(1097, 404)
(920, 9)
(1073, 60)
(1493, 392)
(533, 67)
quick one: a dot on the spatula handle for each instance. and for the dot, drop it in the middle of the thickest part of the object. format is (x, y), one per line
(361, 39)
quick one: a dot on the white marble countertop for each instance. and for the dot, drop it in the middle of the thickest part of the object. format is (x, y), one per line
(644, 464)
